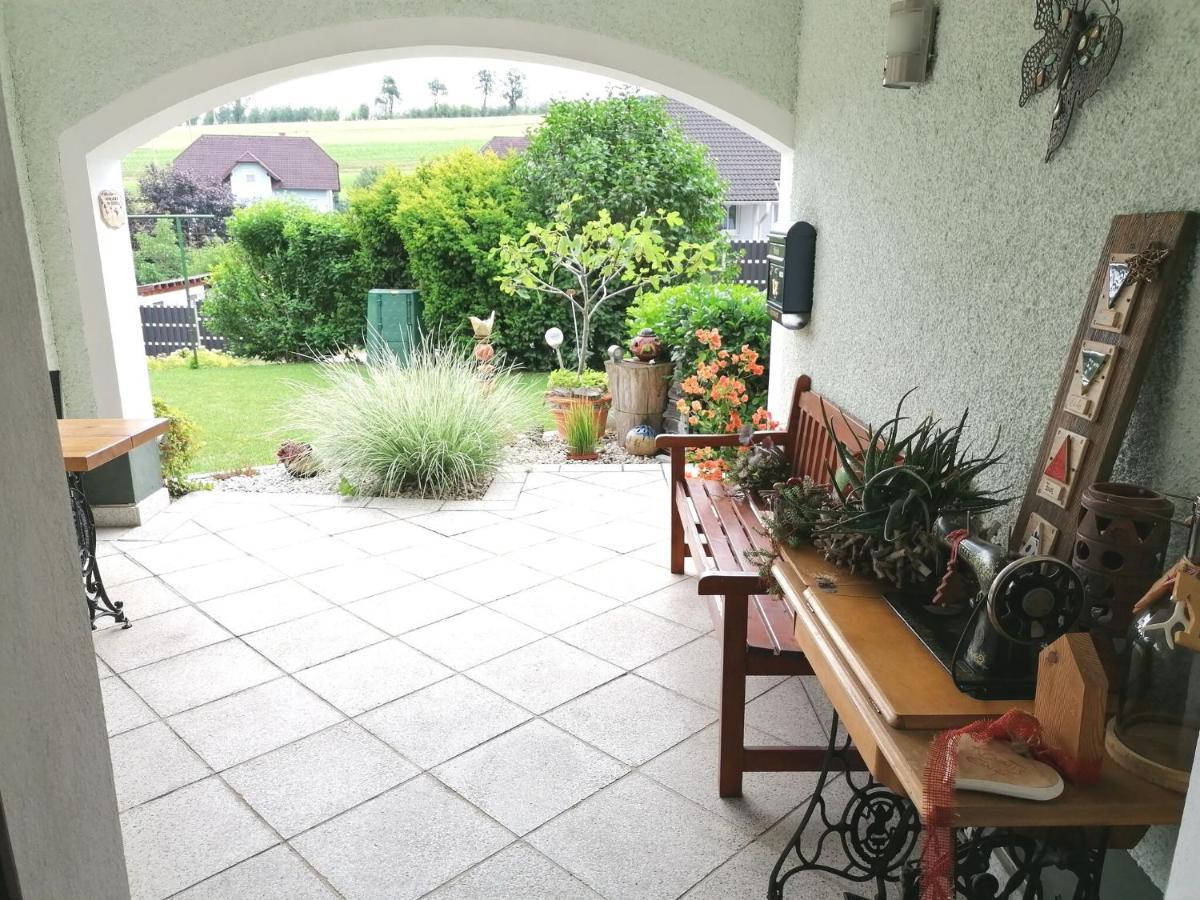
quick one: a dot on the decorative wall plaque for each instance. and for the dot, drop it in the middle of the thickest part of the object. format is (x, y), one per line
(1114, 306)
(1060, 470)
(1039, 537)
(112, 208)
(1093, 366)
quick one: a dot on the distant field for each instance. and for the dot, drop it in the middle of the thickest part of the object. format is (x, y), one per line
(354, 145)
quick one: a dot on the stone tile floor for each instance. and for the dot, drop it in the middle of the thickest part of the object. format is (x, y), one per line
(511, 699)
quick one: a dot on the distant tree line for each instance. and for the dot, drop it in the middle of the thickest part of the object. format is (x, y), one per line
(237, 113)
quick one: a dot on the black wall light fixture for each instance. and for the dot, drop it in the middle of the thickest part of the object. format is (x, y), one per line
(791, 257)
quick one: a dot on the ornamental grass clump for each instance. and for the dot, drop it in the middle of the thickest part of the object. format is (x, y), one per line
(427, 427)
(583, 431)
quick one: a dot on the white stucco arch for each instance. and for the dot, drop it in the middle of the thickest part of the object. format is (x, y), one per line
(91, 149)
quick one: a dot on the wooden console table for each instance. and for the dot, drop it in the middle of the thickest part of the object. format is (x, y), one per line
(88, 444)
(892, 696)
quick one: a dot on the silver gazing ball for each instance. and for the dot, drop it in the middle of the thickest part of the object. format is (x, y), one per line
(640, 440)
(616, 353)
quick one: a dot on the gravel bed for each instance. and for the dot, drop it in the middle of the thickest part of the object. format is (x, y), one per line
(538, 448)
(273, 479)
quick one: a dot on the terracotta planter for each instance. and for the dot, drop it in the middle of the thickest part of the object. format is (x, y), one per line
(560, 404)
(583, 457)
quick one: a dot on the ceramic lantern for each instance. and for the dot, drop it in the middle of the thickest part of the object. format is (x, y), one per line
(640, 440)
(646, 346)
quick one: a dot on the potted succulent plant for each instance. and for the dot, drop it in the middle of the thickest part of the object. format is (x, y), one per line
(582, 432)
(567, 389)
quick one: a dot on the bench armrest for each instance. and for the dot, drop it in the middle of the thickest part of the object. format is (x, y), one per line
(695, 441)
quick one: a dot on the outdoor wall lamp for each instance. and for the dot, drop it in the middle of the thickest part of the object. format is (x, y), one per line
(909, 43)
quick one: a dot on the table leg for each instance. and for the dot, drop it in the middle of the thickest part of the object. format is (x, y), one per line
(97, 597)
(1027, 857)
(876, 830)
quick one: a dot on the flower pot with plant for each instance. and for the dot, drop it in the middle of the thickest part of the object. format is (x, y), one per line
(567, 389)
(582, 432)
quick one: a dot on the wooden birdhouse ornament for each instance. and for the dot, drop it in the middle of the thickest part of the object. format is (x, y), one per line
(1070, 704)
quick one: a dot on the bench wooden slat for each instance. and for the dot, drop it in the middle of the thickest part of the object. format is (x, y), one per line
(718, 543)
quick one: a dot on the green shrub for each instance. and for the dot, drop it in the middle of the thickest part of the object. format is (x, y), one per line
(288, 283)
(738, 311)
(156, 254)
(176, 450)
(582, 429)
(569, 379)
(381, 252)
(209, 359)
(429, 426)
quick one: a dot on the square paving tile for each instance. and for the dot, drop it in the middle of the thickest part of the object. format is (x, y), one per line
(341, 518)
(372, 676)
(691, 769)
(257, 539)
(237, 728)
(603, 719)
(443, 720)
(681, 603)
(162, 559)
(278, 874)
(454, 522)
(529, 774)
(504, 537)
(151, 761)
(436, 555)
(403, 844)
(745, 875)
(144, 597)
(786, 712)
(409, 607)
(664, 844)
(628, 637)
(201, 583)
(694, 670)
(561, 556)
(544, 674)
(311, 555)
(386, 537)
(518, 872)
(224, 516)
(491, 579)
(201, 676)
(405, 507)
(305, 642)
(314, 779)
(123, 709)
(622, 536)
(217, 829)
(356, 580)
(120, 569)
(158, 637)
(470, 638)
(264, 606)
(624, 578)
(554, 605)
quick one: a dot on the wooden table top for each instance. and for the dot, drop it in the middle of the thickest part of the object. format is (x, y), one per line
(88, 444)
(867, 660)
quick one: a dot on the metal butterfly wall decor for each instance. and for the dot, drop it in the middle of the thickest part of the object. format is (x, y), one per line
(1077, 50)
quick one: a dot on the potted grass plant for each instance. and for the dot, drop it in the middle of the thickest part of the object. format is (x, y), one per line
(582, 432)
(566, 389)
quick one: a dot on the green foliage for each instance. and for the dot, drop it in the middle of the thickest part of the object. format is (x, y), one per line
(176, 450)
(569, 379)
(597, 262)
(626, 155)
(738, 311)
(289, 282)
(429, 426)
(381, 253)
(156, 254)
(760, 467)
(208, 359)
(582, 429)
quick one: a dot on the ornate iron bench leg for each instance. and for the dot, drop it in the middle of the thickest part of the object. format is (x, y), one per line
(98, 601)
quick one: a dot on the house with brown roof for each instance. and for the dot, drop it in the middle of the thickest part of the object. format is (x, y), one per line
(749, 167)
(261, 166)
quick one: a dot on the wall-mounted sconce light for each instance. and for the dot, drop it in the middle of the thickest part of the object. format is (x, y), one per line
(909, 43)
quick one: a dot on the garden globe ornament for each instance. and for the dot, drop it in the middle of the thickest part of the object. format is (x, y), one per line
(640, 440)
(554, 340)
(646, 346)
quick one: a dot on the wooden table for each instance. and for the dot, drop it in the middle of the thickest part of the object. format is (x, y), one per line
(892, 696)
(88, 444)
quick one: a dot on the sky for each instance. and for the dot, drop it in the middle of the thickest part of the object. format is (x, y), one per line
(347, 88)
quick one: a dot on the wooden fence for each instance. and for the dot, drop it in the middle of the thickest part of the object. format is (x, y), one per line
(166, 329)
(753, 263)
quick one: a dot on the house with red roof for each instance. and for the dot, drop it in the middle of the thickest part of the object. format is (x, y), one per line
(261, 166)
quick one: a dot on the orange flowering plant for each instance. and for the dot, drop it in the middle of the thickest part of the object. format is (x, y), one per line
(726, 394)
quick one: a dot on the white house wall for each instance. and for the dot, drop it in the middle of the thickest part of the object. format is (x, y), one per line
(249, 182)
(321, 201)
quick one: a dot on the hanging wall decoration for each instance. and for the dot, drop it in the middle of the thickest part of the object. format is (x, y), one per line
(1060, 470)
(1092, 368)
(1078, 47)
(1127, 272)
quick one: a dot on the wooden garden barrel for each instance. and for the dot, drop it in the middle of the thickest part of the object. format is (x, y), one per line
(639, 394)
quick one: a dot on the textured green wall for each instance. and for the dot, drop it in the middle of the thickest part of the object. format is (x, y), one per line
(950, 256)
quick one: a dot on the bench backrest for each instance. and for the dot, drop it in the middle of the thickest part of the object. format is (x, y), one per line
(808, 443)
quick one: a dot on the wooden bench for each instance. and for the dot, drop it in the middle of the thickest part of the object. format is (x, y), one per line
(717, 530)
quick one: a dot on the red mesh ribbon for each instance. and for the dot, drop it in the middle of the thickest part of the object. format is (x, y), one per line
(937, 852)
(954, 538)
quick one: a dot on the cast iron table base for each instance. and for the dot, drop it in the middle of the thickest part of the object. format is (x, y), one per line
(98, 601)
(877, 833)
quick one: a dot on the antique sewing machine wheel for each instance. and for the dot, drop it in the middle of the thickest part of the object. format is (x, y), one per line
(1035, 600)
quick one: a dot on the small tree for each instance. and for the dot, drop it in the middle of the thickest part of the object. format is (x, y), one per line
(165, 189)
(514, 88)
(389, 96)
(597, 262)
(487, 83)
(436, 89)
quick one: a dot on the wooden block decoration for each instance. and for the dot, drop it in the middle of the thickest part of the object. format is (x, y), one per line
(1143, 303)
(1070, 703)
(1187, 592)
(1118, 293)
(1093, 366)
(1060, 473)
(1039, 538)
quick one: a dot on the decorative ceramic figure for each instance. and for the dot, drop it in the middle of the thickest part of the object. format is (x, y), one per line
(483, 327)
(616, 353)
(112, 208)
(640, 440)
(646, 346)
(484, 352)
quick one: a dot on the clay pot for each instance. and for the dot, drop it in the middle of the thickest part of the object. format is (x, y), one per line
(560, 404)
(583, 457)
(646, 346)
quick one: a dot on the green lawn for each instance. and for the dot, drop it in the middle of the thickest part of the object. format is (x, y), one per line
(240, 413)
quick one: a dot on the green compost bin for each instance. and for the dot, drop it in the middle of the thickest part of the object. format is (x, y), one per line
(393, 322)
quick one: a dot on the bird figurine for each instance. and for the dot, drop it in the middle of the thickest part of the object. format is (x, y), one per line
(483, 327)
